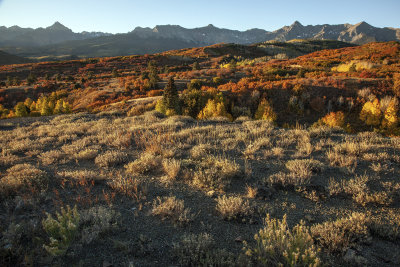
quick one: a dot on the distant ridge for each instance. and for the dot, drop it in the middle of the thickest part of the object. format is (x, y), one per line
(58, 40)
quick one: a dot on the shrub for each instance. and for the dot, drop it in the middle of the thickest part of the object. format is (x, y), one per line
(111, 158)
(97, 221)
(81, 175)
(337, 159)
(341, 234)
(62, 231)
(334, 119)
(87, 154)
(171, 168)
(24, 177)
(51, 157)
(147, 163)
(171, 208)
(300, 172)
(277, 245)
(132, 187)
(303, 168)
(387, 225)
(200, 250)
(359, 190)
(215, 172)
(233, 208)
(200, 151)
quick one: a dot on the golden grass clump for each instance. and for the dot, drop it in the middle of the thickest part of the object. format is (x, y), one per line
(200, 250)
(172, 209)
(146, 163)
(24, 176)
(337, 236)
(215, 172)
(171, 168)
(304, 168)
(111, 158)
(277, 245)
(51, 157)
(233, 208)
(359, 190)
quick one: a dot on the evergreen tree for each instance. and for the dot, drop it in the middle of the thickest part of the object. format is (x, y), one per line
(171, 97)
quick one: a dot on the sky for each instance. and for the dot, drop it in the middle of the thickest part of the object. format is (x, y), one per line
(120, 16)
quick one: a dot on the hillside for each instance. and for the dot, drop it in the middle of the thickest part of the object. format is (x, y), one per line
(180, 158)
(58, 40)
(8, 59)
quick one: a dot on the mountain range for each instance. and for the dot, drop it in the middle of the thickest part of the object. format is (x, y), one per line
(58, 41)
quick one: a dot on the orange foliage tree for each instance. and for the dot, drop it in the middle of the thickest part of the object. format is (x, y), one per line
(334, 119)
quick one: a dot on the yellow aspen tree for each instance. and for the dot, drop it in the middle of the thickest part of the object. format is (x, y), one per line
(390, 119)
(371, 113)
(265, 111)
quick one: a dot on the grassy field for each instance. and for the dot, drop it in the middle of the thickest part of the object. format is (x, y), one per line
(149, 190)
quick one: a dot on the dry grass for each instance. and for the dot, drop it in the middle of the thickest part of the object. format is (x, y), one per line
(215, 172)
(52, 157)
(172, 209)
(145, 164)
(233, 208)
(111, 158)
(343, 233)
(359, 190)
(171, 168)
(126, 163)
(23, 177)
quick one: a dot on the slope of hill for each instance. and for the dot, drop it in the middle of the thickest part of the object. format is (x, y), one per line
(7, 59)
(57, 40)
(311, 141)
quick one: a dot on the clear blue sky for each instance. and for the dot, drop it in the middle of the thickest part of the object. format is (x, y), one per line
(124, 15)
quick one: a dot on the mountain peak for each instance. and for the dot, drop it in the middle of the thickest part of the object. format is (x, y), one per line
(58, 27)
(363, 24)
(297, 23)
(210, 26)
